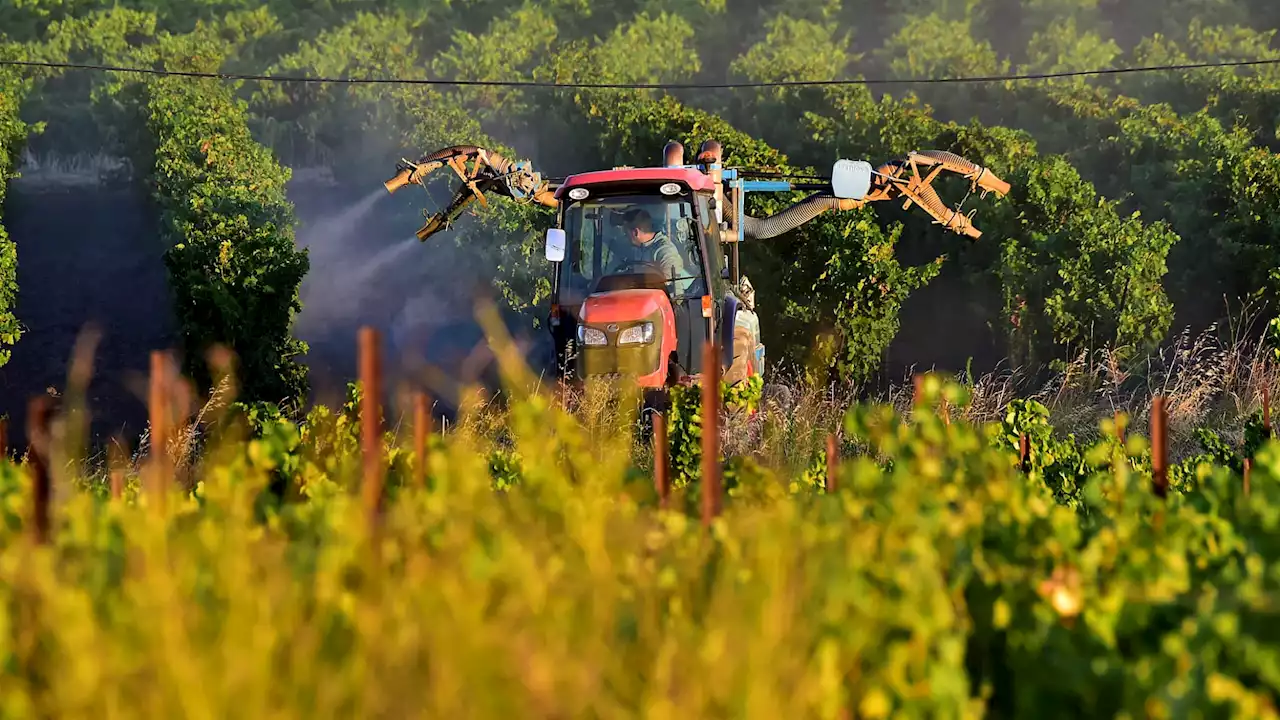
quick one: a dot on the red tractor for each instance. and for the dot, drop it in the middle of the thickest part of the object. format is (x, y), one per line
(644, 261)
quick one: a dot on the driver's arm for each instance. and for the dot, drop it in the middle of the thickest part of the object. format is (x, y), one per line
(669, 258)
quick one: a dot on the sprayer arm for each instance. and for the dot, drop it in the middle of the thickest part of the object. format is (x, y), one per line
(891, 181)
(479, 171)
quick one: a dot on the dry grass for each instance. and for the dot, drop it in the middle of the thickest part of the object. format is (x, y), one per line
(1209, 381)
(184, 447)
(1215, 379)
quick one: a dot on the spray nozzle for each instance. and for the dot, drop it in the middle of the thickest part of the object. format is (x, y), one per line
(404, 176)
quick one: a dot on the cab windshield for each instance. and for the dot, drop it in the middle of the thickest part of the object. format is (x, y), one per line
(629, 234)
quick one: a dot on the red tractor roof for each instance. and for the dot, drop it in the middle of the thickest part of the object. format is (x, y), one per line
(692, 177)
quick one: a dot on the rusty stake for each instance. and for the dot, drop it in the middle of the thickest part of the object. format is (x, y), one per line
(710, 432)
(158, 408)
(833, 462)
(371, 421)
(661, 460)
(1248, 465)
(1159, 453)
(115, 464)
(39, 413)
(1024, 452)
(421, 429)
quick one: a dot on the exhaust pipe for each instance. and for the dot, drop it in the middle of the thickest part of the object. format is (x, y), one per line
(709, 156)
(711, 152)
(673, 155)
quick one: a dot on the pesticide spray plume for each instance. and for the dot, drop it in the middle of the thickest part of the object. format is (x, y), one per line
(366, 272)
(345, 267)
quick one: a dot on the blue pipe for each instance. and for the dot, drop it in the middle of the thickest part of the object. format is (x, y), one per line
(766, 186)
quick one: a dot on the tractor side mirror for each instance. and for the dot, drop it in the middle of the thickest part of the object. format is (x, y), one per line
(555, 245)
(851, 179)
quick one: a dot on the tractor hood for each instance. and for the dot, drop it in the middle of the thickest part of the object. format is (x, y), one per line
(627, 332)
(622, 305)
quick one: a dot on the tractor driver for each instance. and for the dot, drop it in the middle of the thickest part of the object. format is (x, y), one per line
(653, 246)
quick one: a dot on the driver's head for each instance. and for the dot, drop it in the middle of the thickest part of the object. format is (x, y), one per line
(639, 226)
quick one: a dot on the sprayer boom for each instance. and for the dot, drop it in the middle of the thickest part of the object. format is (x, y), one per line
(644, 262)
(909, 178)
(904, 178)
(480, 171)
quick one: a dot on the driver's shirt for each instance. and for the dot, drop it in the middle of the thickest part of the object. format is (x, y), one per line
(662, 252)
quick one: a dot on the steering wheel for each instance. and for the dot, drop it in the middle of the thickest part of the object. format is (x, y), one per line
(633, 274)
(637, 267)
(644, 267)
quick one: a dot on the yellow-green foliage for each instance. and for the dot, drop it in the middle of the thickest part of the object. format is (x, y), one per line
(938, 582)
(13, 137)
(232, 261)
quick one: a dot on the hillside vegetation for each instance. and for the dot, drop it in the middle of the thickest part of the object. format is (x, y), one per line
(1142, 203)
(1007, 545)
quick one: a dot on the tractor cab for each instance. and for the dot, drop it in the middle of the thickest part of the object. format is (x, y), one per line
(631, 240)
(639, 272)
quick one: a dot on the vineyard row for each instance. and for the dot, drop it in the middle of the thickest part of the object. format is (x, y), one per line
(170, 393)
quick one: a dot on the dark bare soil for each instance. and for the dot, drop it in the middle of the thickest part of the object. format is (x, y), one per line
(86, 257)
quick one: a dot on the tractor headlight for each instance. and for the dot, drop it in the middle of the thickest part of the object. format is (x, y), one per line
(636, 334)
(591, 336)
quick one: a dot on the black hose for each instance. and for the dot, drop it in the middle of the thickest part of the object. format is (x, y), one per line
(443, 153)
(500, 164)
(789, 219)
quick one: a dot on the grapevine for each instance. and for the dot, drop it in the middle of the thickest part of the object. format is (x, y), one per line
(13, 137)
(232, 262)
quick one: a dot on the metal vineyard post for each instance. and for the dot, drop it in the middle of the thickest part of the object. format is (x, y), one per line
(158, 409)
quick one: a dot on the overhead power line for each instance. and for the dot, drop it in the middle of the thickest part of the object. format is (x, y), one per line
(640, 86)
